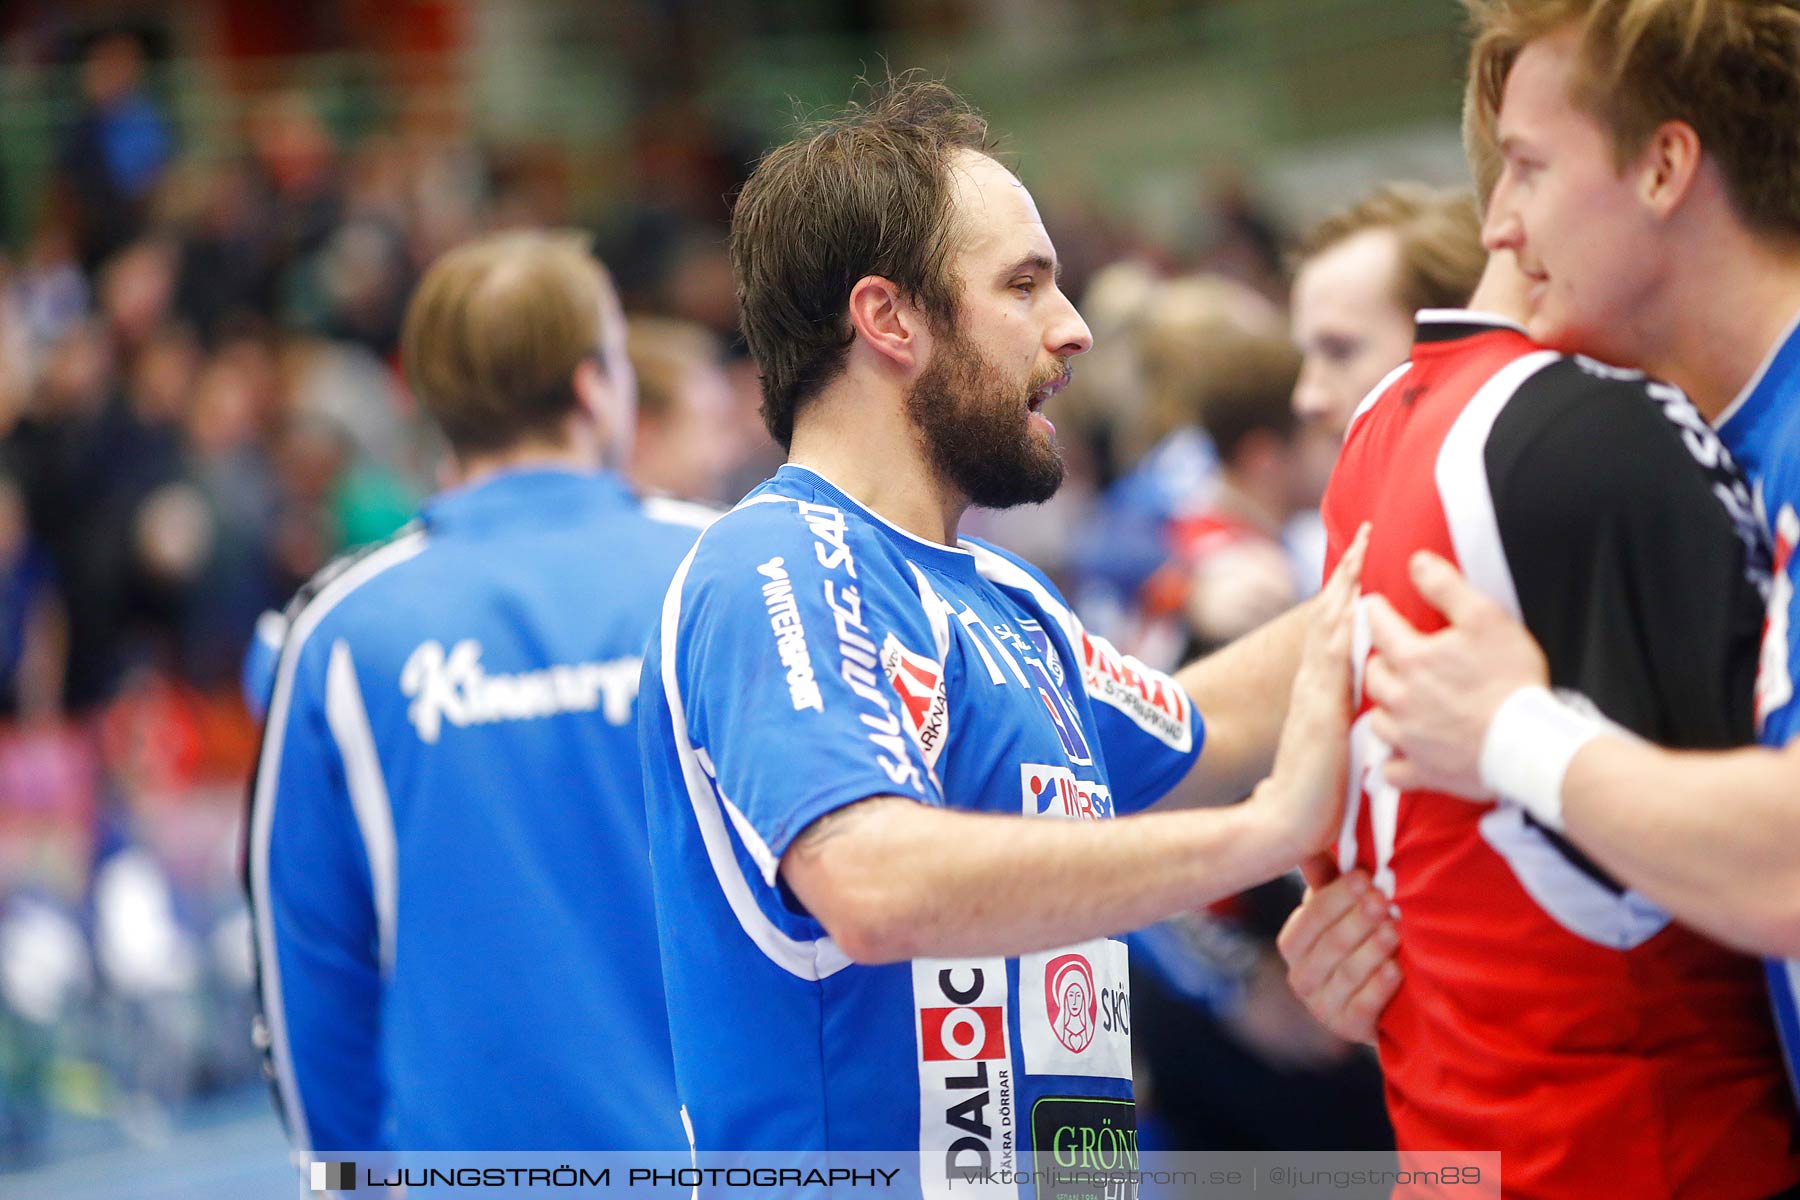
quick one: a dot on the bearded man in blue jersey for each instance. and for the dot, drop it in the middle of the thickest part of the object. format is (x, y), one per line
(447, 856)
(884, 762)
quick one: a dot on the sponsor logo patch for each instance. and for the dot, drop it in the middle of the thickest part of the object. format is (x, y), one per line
(924, 707)
(790, 636)
(858, 657)
(1091, 1141)
(1075, 1010)
(962, 1034)
(1071, 1001)
(1050, 791)
(967, 1125)
(1774, 675)
(1150, 698)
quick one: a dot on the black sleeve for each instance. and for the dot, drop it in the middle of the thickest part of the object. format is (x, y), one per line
(1630, 569)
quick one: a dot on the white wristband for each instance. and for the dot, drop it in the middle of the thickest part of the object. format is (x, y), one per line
(1529, 745)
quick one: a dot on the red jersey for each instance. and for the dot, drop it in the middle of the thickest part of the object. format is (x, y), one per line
(1547, 1011)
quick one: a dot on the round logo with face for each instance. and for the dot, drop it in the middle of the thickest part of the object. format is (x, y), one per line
(1072, 1002)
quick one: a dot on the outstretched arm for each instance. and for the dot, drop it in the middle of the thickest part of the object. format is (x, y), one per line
(1710, 836)
(891, 879)
(1242, 692)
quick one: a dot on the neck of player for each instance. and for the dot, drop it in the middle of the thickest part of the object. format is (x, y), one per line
(861, 440)
(1502, 290)
(579, 447)
(1751, 290)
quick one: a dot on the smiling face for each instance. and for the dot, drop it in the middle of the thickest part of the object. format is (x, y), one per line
(1588, 245)
(977, 403)
(1349, 325)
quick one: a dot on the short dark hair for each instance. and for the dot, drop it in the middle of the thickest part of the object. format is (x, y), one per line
(866, 192)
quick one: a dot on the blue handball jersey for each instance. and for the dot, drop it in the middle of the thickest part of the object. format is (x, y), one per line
(448, 857)
(1762, 431)
(811, 655)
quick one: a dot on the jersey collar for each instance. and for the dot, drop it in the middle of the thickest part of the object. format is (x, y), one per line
(542, 494)
(953, 559)
(1748, 424)
(1450, 324)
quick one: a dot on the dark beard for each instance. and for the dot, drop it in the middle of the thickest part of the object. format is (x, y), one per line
(975, 429)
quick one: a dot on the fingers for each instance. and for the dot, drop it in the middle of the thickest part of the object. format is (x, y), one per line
(1381, 720)
(1445, 589)
(1346, 580)
(1390, 633)
(1318, 871)
(1330, 922)
(1359, 1015)
(1402, 775)
(1353, 972)
(1329, 638)
(1346, 974)
(1380, 684)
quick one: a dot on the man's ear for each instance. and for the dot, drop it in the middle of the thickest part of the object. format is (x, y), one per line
(887, 322)
(1670, 163)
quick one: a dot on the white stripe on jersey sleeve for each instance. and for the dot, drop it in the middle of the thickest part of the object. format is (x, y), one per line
(262, 818)
(348, 720)
(680, 512)
(807, 960)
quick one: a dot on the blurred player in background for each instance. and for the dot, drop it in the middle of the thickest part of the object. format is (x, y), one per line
(1230, 1056)
(447, 856)
(1229, 571)
(684, 445)
(1361, 274)
(881, 760)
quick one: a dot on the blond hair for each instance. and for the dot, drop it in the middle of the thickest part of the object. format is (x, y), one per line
(1439, 234)
(664, 350)
(1191, 341)
(1480, 148)
(1728, 68)
(495, 331)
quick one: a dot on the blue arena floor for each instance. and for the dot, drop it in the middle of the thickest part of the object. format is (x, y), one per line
(230, 1148)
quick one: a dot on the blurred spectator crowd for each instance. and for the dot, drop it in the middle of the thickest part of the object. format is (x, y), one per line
(199, 406)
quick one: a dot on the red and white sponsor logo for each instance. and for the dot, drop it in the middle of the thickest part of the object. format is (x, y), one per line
(967, 1093)
(919, 682)
(962, 1034)
(1774, 677)
(1150, 698)
(1072, 1002)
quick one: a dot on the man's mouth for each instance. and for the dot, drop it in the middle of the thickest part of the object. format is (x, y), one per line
(1036, 401)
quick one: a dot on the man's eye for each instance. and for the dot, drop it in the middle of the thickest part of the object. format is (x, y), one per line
(1024, 286)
